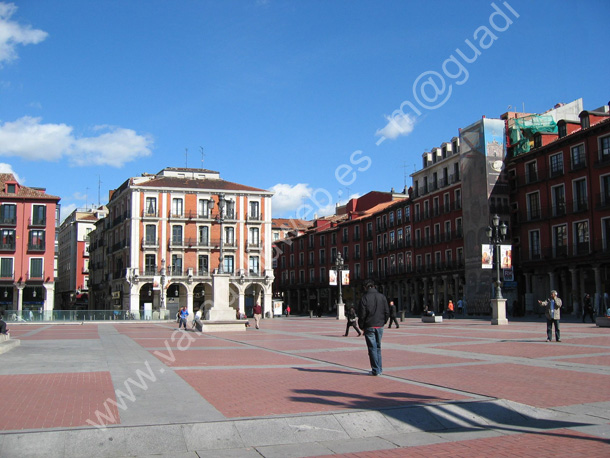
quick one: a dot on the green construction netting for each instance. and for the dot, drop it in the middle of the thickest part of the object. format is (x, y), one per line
(522, 130)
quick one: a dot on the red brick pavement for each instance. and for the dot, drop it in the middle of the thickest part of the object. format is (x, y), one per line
(536, 386)
(277, 391)
(594, 360)
(225, 357)
(198, 342)
(558, 443)
(54, 400)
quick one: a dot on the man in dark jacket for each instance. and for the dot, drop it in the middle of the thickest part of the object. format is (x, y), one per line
(373, 313)
(392, 315)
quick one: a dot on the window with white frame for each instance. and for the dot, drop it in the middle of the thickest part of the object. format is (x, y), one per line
(229, 235)
(533, 206)
(254, 236)
(203, 264)
(203, 210)
(254, 210)
(150, 207)
(177, 206)
(253, 265)
(6, 267)
(36, 266)
(229, 264)
(577, 153)
(580, 194)
(204, 235)
(556, 161)
(604, 148)
(581, 234)
(534, 241)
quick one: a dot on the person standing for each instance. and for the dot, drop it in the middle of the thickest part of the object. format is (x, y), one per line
(258, 313)
(184, 313)
(450, 314)
(393, 315)
(352, 321)
(552, 308)
(373, 313)
(197, 324)
(587, 308)
(3, 328)
(460, 306)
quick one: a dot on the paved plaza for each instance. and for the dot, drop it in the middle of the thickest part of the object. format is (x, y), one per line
(297, 387)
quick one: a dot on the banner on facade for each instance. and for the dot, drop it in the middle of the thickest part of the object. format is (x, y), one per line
(157, 283)
(507, 256)
(332, 277)
(486, 257)
(345, 277)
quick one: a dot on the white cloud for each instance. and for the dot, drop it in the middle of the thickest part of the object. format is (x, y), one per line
(398, 125)
(287, 198)
(8, 168)
(13, 34)
(28, 138)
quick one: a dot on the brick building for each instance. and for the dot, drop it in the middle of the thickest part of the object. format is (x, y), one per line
(183, 237)
(28, 219)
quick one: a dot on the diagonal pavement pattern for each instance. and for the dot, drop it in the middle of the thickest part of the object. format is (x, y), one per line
(297, 388)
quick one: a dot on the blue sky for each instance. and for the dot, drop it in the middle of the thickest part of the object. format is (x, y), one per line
(302, 97)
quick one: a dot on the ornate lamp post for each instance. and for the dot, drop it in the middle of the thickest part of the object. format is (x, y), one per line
(496, 235)
(163, 284)
(340, 267)
(222, 211)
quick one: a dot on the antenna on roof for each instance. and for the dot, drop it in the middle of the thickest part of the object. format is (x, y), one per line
(202, 155)
(99, 186)
(186, 158)
(404, 168)
(86, 193)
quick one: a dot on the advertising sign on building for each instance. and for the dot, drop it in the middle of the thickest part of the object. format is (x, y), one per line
(332, 277)
(345, 277)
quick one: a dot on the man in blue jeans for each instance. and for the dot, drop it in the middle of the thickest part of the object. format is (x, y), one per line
(373, 313)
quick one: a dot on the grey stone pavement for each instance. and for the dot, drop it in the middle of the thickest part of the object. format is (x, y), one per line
(459, 385)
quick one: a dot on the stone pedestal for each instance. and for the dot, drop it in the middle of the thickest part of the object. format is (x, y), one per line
(340, 310)
(221, 310)
(498, 307)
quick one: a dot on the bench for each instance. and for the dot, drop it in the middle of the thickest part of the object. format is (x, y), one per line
(602, 322)
(432, 319)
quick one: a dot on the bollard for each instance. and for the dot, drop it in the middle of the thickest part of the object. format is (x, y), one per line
(402, 316)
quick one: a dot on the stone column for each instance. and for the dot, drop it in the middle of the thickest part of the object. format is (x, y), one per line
(435, 294)
(599, 298)
(445, 290)
(220, 310)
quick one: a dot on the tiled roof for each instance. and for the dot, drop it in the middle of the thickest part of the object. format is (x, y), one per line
(23, 192)
(290, 223)
(206, 183)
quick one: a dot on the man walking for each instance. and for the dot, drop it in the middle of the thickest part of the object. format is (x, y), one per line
(392, 315)
(373, 313)
(551, 311)
(587, 308)
(258, 312)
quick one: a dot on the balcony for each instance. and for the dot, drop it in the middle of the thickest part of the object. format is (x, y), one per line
(150, 213)
(8, 221)
(7, 246)
(37, 222)
(36, 247)
(254, 218)
(150, 242)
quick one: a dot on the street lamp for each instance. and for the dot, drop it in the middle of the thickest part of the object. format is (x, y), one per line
(223, 206)
(496, 235)
(163, 284)
(340, 267)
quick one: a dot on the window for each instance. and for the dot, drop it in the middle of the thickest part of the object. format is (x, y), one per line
(560, 240)
(556, 164)
(39, 213)
(446, 203)
(584, 122)
(534, 244)
(531, 172)
(8, 214)
(580, 195)
(345, 253)
(581, 232)
(203, 264)
(151, 206)
(533, 206)
(254, 210)
(578, 156)
(36, 267)
(6, 267)
(605, 148)
(562, 130)
(253, 235)
(559, 200)
(322, 258)
(203, 209)
(204, 235)
(458, 199)
(177, 207)
(605, 191)
(606, 233)
(253, 265)
(176, 235)
(150, 264)
(229, 235)
(356, 232)
(7, 239)
(409, 257)
(311, 261)
(151, 234)
(36, 241)
(357, 251)
(11, 188)
(176, 268)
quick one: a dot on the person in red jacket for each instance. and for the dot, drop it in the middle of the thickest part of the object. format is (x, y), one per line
(258, 313)
(450, 309)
